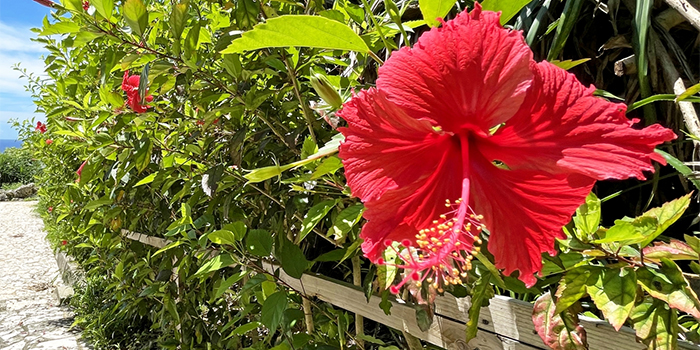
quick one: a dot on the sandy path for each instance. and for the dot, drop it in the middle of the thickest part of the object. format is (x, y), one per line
(30, 317)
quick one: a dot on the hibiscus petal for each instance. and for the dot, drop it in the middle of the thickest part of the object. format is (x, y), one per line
(400, 167)
(469, 71)
(564, 128)
(524, 211)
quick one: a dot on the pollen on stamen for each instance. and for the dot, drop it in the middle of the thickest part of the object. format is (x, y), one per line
(442, 252)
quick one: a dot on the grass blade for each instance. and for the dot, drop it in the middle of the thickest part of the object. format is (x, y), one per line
(566, 23)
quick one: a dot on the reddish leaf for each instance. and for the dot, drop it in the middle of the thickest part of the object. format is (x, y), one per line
(676, 250)
(558, 331)
(669, 285)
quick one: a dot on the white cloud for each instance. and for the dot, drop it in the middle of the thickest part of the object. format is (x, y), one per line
(15, 102)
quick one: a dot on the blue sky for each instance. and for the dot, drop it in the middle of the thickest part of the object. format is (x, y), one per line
(16, 18)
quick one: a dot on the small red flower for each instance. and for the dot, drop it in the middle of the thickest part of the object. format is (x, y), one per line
(64, 242)
(49, 141)
(50, 209)
(200, 122)
(86, 5)
(40, 127)
(130, 85)
(466, 132)
(80, 170)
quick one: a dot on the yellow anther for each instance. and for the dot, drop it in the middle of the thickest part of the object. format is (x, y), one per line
(435, 285)
(429, 280)
(435, 221)
(457, 244)
(477, 250)
(418, 284)
(464, 274)
(443, 216)
(450, 224)
(432, 229)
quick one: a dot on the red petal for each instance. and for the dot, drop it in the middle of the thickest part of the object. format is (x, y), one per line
(401, 168)
(564, 126)
(524, 212)
(470, 71)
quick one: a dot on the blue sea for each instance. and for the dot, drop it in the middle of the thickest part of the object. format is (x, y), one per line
(9, 143)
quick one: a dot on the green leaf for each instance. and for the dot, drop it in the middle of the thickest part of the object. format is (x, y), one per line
(111, 97)
(246, 13)
(103, 7)
(660, 97)
(424, 318)
(329, 166)
(98, 203)
(226, 284)
(572, 286)
(481, 293)
(292, 259)
(666, 215)
(656, 325)
(232, 65)
(688, 92)
(272, 312)
(434, 9)
(262, 174)
(240, 330)
(668, 284)
(568, 64)
(386, 273)
(498, 281)
(238, 228)
(223, 237)
(680, 167)
(178, 19)
(218, 262)
(259, 242)
(73, 5)
(299, 30)
(587, 217)
(313, 217)
(559, 331)
(614, 293)
(345, 221)
(60, 28)
(146, 180)
(626, 232)
(136, 16)
(508, 8)
(144, 150)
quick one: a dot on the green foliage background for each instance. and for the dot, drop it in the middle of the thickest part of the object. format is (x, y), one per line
(221, 108)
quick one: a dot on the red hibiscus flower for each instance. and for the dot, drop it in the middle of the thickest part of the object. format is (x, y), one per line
(49, 141)
(130, 85)
(465, 132)
(40, 127)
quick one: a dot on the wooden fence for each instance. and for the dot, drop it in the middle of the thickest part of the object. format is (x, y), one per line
(505, 324)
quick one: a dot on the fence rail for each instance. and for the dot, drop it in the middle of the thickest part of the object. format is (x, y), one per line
(505, 324)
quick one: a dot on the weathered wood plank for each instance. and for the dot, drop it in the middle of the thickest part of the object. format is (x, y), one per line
(505, 324)
(443, 332)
